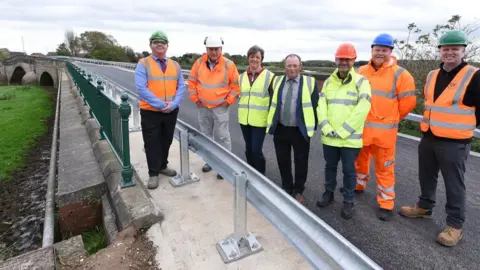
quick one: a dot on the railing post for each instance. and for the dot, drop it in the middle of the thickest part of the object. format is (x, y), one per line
(114, 91)
(136, 116)
(185, 176)
(99, 95)
(127, 171)
(240, 243)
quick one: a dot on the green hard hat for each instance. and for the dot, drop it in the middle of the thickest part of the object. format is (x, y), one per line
(453, 37)
(159, 35)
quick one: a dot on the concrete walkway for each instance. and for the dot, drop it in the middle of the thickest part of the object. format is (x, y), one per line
(199, 215)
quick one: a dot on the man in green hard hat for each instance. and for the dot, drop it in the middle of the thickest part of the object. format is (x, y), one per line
(452, 104)
(161, 87)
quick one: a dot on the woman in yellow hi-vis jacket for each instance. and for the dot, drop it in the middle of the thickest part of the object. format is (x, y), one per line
(342, 109)
(255, 93)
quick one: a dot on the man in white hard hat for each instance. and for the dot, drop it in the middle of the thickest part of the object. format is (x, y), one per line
(213, 87)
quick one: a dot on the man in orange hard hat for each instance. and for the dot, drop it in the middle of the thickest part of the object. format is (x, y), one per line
(213, 87)
(393, 98)
(343, 106)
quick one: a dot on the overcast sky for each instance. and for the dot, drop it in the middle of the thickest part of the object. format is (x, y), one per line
(279, 26)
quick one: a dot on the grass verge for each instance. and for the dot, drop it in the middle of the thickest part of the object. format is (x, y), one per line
(94, 240)
(23, 114)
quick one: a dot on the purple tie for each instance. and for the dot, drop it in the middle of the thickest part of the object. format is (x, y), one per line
(163, 65)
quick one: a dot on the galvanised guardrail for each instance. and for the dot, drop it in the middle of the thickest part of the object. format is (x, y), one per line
(112, 117)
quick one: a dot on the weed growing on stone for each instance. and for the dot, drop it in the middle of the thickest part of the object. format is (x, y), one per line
(94, 240)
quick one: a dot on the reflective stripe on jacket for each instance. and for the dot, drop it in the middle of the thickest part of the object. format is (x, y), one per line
(254, 99)
(393, 97)
(447, 116)
(309, 117)
(213, 87)
(162, 85)
(343, 107)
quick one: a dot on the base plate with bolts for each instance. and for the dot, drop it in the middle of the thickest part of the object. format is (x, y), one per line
(178, 180)
(230, 250)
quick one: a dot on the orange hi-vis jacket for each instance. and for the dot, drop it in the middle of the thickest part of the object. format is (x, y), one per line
(447, 116)
(213, 87)
(162, 85)
(393, 98)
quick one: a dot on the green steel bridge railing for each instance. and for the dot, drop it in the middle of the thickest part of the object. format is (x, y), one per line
(111, 116)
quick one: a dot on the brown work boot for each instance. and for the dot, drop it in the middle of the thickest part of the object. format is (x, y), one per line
(450, 236)
(415, 212)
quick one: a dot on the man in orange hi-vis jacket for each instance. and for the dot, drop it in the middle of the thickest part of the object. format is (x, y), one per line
(393, 97)
(213, 87)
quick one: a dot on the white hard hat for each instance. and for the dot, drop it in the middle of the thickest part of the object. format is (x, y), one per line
(213, 42)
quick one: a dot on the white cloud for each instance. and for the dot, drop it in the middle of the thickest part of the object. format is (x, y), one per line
(279, 26)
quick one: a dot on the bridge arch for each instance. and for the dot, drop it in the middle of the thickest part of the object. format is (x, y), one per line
(46, 79)
(17, 75)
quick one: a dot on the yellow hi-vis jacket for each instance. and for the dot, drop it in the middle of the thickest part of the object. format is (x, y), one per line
(342, 108)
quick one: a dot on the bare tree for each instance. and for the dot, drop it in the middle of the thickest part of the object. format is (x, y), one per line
(72, 42)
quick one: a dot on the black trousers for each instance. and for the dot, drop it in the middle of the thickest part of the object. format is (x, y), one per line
(284, 139)
(449, 157)
(157, 129)
(254, 138)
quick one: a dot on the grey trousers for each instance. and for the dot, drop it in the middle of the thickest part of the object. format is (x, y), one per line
(214, 123)
(449, 157)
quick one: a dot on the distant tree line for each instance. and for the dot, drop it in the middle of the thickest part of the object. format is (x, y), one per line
(96, 45)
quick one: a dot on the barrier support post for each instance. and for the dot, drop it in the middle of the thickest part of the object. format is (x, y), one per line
(185, 176)
(240, 243)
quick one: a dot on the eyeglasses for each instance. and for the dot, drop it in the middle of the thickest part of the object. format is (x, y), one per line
(161, 42)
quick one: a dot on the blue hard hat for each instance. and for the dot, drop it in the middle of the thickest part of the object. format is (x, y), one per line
(383, 40)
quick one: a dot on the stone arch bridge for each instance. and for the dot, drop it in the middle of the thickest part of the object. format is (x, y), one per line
(22, 69)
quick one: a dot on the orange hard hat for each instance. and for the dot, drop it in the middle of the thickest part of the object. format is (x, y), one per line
(346, 50)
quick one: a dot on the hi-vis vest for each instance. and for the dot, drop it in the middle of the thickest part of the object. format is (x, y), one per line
(308, 113)
(254, 100)
(162, 85)
(448, 117)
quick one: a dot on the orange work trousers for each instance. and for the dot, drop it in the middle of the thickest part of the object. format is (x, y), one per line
(384, 161)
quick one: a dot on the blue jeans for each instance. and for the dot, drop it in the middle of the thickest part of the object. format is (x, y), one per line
(348, 156)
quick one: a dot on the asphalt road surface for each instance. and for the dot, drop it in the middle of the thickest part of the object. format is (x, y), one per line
(399, 244)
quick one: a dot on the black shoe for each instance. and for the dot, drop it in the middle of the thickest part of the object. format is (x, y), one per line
(206, 168)
(384, 214)
(219, 177)
(327, 199)
(347, 210)
(356, 191)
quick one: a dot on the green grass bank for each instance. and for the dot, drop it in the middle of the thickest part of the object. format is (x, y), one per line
(23, 114)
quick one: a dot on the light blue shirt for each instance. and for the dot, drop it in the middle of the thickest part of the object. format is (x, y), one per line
(147, 95)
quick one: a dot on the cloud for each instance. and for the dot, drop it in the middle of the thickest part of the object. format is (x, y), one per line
(310, 28)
